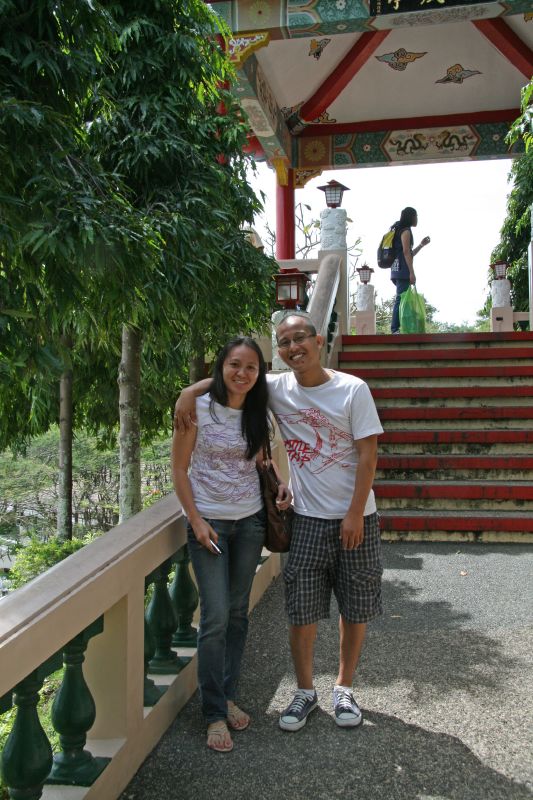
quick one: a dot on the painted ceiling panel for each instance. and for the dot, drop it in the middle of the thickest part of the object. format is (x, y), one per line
(522, 25)
(294, 72)
(460, 72)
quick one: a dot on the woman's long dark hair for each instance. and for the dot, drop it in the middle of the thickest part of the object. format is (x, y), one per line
(255, 425)
(407, 217)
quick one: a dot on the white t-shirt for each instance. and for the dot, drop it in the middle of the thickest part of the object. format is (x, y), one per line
(225, 484)
(319, 425)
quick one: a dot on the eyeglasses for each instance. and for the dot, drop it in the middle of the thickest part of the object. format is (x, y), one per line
(298, 338)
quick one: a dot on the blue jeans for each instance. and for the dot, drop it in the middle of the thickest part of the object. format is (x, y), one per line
(224, 584)
(402, 284)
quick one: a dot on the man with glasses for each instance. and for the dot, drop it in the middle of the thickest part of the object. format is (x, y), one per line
(329, 424)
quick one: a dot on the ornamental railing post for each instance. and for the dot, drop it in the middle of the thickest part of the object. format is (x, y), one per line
(27, 755)
(151, 692)
(73, 714)
(184, 596)
(163, 622)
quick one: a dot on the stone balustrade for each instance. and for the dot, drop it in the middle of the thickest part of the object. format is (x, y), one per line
(124, 640)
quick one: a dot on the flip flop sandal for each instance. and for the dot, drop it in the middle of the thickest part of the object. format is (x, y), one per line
(238, 720)
(216, 737)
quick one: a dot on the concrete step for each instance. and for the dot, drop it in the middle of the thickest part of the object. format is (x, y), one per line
(396, 380)
(454, 467)
(402, 375)
(456, 442)
(505, 526)
(448, 396)
(454, 495)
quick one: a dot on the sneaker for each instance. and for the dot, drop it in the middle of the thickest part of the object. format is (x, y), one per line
(295, 715)
(347, 712)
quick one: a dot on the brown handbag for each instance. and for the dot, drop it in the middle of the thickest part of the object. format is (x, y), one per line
(278, 523)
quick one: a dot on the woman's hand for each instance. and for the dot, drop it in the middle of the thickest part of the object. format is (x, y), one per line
(284, 497)
(204, 532)
(185, 410)
(426, 240)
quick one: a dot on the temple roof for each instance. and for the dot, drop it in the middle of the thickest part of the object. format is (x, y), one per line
(350, 83)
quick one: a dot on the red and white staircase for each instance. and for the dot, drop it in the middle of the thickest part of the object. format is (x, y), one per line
(456, 459)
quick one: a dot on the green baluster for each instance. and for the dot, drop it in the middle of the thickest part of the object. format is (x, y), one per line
(73, 714)
(162, 621)
(27, 754)
(151, 692)
(184, 596)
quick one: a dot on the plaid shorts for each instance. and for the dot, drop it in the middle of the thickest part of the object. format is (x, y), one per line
(318, 565)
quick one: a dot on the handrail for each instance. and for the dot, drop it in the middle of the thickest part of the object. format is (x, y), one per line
(95, 599)
(80, 582)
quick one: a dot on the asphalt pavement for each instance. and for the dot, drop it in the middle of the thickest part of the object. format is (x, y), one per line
(445, 682)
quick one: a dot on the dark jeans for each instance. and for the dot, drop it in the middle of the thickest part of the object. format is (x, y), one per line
(402, 284)
(224, 584)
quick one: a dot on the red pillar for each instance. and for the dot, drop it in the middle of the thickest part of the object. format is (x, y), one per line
(285, 218)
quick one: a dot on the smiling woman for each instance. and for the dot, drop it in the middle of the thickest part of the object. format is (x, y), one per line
(216, 480)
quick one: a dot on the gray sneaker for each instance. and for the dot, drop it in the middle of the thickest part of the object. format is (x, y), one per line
(347, 712)
(295, 715)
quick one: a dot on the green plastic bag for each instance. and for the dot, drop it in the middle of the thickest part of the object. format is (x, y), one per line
(412, 312)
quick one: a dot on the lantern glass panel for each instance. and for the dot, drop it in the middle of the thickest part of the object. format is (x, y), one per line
(284, 291)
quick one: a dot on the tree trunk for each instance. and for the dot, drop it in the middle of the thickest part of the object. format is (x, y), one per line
(197, 362)
(129, 381)
(64, 489)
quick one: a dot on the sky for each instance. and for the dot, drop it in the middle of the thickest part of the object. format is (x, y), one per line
(461, 207)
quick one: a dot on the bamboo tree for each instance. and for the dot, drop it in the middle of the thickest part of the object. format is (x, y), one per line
(129, 380)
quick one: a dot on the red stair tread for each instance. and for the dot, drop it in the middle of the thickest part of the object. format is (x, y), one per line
(454, 437)
(438, 338)
(431, 392)
(455, 462)
(405, 354)
(472, 490)
(512, 523)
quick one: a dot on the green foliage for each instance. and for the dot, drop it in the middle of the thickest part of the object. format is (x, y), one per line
(28, 481)
(36, 556)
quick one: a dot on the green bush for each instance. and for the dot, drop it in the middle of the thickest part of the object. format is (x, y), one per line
(37, 556)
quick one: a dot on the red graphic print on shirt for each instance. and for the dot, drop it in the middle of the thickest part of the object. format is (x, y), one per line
(340, 442)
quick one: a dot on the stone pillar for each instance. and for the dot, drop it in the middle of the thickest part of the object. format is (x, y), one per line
(333, 239)
(501, 318)
(365, 315)
(285, 224)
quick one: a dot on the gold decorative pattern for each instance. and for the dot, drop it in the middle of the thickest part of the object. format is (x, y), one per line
(400, 58)
(303, 176)
(457, 74)
(317, 46)
(241, 47)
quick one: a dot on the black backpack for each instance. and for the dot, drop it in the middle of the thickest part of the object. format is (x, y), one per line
(386, 253)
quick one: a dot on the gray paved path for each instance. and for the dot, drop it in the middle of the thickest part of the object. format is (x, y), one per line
(445, 681)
